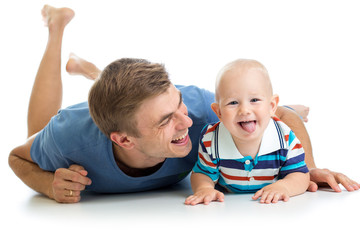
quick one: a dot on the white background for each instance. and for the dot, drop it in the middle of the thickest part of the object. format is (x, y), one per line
(310, 48)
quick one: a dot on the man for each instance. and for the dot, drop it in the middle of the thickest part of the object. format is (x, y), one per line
(144, 132)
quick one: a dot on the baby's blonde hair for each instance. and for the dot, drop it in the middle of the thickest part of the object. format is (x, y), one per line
(241, 63)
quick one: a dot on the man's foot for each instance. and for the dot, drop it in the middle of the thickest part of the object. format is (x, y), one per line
(79, 66)
(56, 18)
(301, 110)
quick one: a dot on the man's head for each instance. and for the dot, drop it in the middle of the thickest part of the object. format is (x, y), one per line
(244, 99)
(121, 89)
(134, 103)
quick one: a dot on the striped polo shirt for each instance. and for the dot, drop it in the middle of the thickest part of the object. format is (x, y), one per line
(280, 153)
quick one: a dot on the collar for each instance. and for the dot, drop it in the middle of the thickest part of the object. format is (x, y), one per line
(272, 140)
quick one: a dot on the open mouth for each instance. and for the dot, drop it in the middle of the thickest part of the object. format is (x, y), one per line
(181, 139)
(248, 126)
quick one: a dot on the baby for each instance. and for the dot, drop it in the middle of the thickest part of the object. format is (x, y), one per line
(249, 149)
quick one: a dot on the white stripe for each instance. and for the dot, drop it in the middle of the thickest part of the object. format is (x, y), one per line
(246, 183)
(254, 172)
(294, 153)
(207, 158)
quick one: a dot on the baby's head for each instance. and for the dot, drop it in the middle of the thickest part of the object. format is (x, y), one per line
(244, 98)
(239, 71)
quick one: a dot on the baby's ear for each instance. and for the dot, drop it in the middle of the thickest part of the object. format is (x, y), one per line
(274, 103)
(216, 108)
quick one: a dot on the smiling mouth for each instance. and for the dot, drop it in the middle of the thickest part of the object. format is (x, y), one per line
(181, 139)
(248, 126)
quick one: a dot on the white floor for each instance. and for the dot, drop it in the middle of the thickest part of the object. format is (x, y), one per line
(311, 49)
(162, 213)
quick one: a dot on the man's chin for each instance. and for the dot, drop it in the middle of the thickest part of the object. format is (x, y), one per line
(182, 151)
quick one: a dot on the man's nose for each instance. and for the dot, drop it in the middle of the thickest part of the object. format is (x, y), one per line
(183, 120)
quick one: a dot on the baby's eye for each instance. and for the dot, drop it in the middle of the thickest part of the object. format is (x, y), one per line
(254, 100)
(232, 103)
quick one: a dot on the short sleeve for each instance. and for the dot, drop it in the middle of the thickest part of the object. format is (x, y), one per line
(206, 164)
(295, 159)
(45, 151)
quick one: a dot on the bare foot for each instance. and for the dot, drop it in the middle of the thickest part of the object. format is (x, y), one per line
(56, 18)
(301, 110)
(79, 66)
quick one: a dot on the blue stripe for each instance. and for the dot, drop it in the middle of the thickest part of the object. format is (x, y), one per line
(303, 169)
(217, 141)
(291, 137)
(202, 132)
(293, 166)
(238, 164)
(199, 169)
(236, 159)
(232, 164)
(243, 189)
(296, 159)
(281, 153)
(202, 137)
(276, 164)
(279, 134)
(272, 157)
(273, 160)
(203, 148)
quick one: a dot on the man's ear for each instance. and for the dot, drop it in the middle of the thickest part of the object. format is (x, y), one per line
(122, 140)
(274, 104)
(216, 108)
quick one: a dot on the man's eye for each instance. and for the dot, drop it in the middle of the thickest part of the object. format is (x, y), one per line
(166, 122)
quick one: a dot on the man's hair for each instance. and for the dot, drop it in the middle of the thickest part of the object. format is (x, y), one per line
(120, 90)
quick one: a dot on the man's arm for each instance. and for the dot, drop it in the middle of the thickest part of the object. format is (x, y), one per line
(64, 185)
(291, 119)
(317, 175)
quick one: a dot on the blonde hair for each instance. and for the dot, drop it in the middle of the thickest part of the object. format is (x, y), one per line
(120, 90)
(241, 63)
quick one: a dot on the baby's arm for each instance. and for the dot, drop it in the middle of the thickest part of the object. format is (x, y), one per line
(293, 184)
(204, 191)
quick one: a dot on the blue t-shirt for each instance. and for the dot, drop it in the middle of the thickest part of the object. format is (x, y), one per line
(71, 137)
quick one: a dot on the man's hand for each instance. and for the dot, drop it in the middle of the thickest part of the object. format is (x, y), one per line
(326, 178)
(68, 183)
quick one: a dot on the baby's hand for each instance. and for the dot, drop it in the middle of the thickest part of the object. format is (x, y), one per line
(272, 193)
(205, 196)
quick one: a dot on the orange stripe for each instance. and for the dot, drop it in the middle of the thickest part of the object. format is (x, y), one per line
(207, 143)
(258, 178)
(207, 162)
(212, 128)
(264, 178)
(276, 119)
(235, 177)
(297, 146)
(286, 137)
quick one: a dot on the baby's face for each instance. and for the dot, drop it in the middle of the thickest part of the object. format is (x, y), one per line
(245, 103)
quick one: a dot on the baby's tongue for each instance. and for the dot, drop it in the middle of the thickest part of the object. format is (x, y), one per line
(248, 126)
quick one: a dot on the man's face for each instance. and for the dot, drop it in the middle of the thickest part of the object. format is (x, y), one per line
(163, 123)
